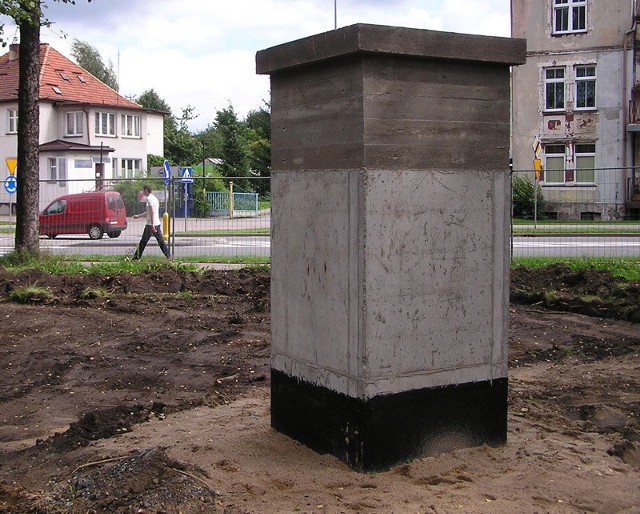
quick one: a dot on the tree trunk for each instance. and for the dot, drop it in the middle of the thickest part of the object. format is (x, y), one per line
(28, 174)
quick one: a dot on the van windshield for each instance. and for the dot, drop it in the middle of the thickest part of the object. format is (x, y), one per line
(56, 207)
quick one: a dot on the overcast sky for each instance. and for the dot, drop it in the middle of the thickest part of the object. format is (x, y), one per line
(201, 53)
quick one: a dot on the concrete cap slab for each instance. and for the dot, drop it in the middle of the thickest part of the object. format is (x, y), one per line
(399, 41)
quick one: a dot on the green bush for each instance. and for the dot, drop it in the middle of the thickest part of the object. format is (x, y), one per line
(130, 189)
(523, 198)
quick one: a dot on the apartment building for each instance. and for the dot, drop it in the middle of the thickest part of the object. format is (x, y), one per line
(576, 105)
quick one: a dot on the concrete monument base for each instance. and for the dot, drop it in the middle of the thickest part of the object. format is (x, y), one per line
(386, 430)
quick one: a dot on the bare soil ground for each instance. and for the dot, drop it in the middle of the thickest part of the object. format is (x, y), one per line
(155, 398)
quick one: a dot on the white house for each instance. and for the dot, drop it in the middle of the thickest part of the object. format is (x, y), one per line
(88, 132)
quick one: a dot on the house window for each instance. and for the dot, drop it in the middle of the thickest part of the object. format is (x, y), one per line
(105, 124)
(131, 168)
(569, 16)
(130, 125)
(554, 164)
(58, 170)
(554, 89)
(585, 163)
(12, 121)
(75, 123)
(585, 87)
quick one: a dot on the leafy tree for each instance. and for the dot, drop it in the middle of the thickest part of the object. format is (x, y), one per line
(150, 99)
(180, 146)
(154, 160)
(28, 15)
(259, 144)
(235, 156)
(90, 59)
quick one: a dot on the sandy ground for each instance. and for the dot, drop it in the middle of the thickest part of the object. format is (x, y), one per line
(151, 394)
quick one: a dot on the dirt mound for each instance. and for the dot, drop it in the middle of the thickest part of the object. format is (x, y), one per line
(149, 393)
(590, 291)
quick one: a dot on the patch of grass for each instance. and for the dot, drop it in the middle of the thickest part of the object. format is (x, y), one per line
(624, 267)
(545, 221)
(31, 294)
(250, 261)
(94, 292)
(104, 264)
(551, 296)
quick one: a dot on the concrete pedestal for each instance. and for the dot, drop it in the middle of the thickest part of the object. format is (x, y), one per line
(390, 231)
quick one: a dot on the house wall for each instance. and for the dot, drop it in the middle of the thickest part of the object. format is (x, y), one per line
(154, 133)
(602, 45)
(52, 127)
(8, 142)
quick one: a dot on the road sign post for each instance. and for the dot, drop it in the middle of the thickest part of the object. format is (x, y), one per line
(187, 178)
(10, 186)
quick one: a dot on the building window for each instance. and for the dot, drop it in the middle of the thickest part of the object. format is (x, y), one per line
(585, 163)
(554, 164)
(554, 89)
(131, 168)
(105, 124)
(12, 121)
(130, 125)
(585, 87)
(569, 16)
(58, 170)
(583, 170)
(75, 123)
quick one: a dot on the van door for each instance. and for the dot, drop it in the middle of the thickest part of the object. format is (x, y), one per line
(52, 219)
(116, 212)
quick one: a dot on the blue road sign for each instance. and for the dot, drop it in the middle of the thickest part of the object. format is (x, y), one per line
(166, 169)
(10, 184)
(187, 175)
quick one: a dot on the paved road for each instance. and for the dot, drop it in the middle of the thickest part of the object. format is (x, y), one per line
(574, 246)
(260, 245)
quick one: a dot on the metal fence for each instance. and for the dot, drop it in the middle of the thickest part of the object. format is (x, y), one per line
(231, 218)
(575, 213)
(212, 217)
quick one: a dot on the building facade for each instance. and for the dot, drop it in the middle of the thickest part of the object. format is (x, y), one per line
(89, 134)
(573, 105)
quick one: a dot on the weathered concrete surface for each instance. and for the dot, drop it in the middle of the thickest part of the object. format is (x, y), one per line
(390, 221)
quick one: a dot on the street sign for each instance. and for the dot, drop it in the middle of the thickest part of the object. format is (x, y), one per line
(166, 171)
(12, 164)
(537, 146)
(187, 175)
(10, 184)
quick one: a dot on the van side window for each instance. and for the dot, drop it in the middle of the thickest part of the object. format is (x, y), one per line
(57, 207)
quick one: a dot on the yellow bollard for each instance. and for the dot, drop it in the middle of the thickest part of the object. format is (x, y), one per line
(165, 226)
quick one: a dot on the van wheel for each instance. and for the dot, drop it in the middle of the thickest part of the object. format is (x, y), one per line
(115, 233)
(52, 236)
(95, 232)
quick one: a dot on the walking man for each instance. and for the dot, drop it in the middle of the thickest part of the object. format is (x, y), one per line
(153, 227)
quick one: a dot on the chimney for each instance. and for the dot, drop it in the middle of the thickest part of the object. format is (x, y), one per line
(14, 51)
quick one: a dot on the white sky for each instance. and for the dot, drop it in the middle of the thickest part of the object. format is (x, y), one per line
(201, 53)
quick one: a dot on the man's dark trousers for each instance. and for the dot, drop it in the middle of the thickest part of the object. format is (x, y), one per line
(146, 235)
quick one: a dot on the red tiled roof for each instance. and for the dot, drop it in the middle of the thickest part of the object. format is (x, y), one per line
(61, 80)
